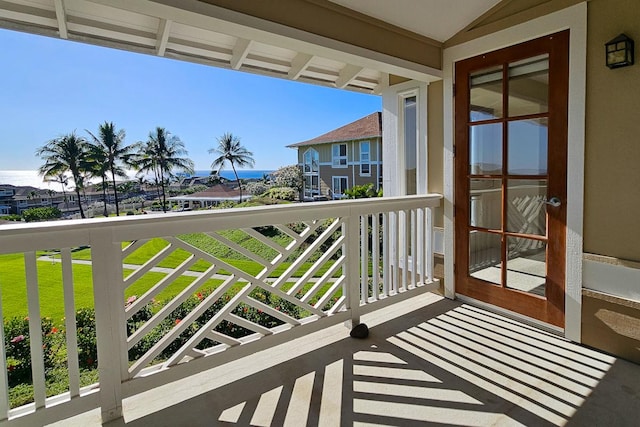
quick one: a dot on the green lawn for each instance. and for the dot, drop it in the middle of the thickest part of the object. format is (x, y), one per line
(13, 286)
(14, 295)
(212, 246)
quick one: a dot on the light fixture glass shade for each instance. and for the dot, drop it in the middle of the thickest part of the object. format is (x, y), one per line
(619, 52)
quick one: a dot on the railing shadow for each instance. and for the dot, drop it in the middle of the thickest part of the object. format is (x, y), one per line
(444, 364)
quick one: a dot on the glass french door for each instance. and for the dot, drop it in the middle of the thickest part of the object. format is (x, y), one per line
(510, 159)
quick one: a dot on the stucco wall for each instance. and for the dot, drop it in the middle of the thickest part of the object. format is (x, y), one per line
(612, 173)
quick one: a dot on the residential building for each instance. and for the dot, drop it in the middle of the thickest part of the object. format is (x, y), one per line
(16, 199)
(506, 110)
(342, 158)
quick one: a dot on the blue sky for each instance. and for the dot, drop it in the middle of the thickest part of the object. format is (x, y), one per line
(51, 87)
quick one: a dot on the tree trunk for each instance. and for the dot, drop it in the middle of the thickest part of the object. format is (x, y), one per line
(238, 180)
(104, 197)
(115, 191)
(80, 202)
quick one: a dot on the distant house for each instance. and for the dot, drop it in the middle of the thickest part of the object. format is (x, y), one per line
(17, 199)
(212, 196)
(344, 157)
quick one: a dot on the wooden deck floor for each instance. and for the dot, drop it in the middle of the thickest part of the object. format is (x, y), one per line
(427, 361)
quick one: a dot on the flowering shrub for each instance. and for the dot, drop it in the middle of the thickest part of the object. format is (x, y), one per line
(288, 176)
(17, 344)
(256, 188)
(87, 347)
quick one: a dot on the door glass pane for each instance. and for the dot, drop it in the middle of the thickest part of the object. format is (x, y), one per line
(529, 86)
(485, 149)
(484, 256)
(528, 145)
(485, 198)
(526, 210)
(526, 265)
(486, 94)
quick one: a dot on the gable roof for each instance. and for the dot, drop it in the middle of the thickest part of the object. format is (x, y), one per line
(366, 127)
(216, 193)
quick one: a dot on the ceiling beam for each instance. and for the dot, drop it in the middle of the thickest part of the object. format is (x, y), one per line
(347, 75)
(240, 52)
(61, 16)
(298, 65)
(164, 28)
(383, 83)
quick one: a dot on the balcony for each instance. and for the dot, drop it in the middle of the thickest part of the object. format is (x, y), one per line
(426, 358)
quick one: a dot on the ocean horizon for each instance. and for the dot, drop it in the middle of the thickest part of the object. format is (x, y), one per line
(30, 178)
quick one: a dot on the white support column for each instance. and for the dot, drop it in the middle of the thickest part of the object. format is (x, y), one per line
(110, 321)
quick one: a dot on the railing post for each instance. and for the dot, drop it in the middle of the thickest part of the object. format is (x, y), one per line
(109, 307)
(352, 244)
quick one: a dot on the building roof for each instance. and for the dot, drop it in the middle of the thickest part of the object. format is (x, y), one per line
(218, 192)
(366, 127)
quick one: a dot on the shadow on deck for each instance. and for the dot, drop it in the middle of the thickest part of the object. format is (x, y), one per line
(427, 361)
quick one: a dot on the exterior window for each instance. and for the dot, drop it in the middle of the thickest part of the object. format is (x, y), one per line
(410, 128)
(311, 173)
(339, 152)
(365, 158)
(340, 183)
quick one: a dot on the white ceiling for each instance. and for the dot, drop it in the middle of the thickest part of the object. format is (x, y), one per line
(193, 31)
(437, 19)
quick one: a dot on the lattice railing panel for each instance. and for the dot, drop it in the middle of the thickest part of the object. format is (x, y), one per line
(238, 297)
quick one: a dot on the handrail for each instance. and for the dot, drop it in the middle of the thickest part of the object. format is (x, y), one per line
(374, 249)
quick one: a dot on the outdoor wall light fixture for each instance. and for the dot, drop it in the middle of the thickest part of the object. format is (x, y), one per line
(619, 52)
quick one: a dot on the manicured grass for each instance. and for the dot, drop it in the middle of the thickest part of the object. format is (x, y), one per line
(13, 286)
(14, 294)
(217, 249)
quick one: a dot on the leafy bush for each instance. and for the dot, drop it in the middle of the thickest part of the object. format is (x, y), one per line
(87, 341)
(282, 193)
(41, 214)
(362, 192)
(12, 217)
(17, 343)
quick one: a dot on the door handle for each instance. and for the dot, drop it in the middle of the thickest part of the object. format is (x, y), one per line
(554, 202)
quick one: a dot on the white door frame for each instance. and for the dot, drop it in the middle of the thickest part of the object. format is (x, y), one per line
(573, 18)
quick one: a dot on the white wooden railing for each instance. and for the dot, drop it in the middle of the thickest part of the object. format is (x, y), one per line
(357, 255)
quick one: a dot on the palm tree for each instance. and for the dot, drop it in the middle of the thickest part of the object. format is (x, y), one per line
(63, 180)
(230, 150)
(111, 142)
(67, 153)
(161, 154)
(99, 167)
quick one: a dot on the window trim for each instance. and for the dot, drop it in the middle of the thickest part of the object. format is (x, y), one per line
(367, 162)
(402, 97)
(333, 186)
(308, 191)
(339, 158)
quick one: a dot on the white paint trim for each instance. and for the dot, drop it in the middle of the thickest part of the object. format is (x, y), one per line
(612, 279)
(573, 18)
(393, 177)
